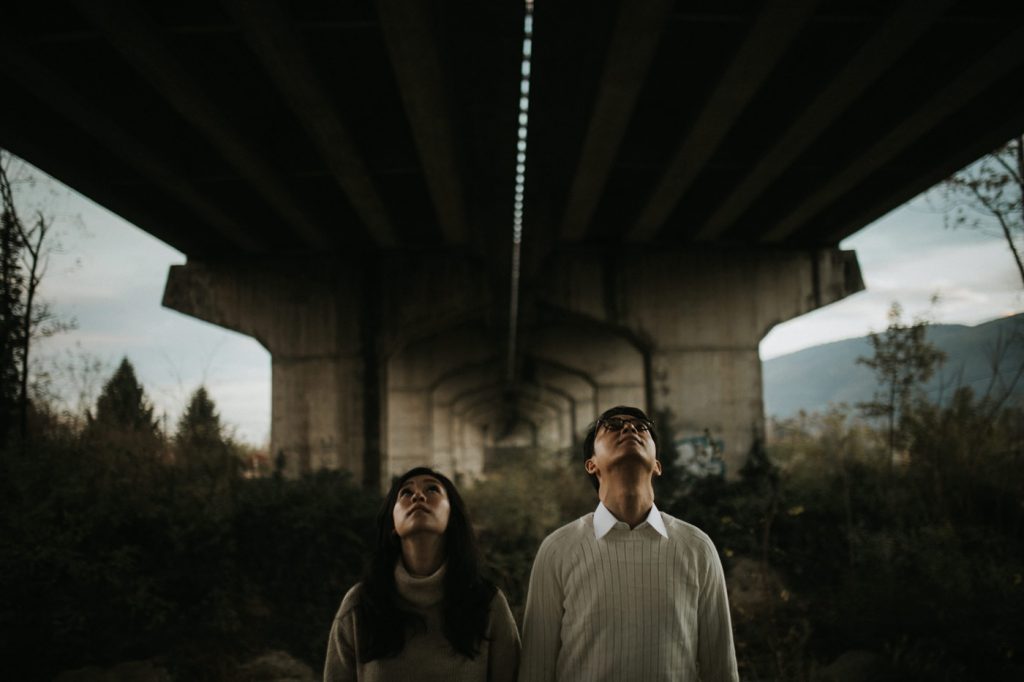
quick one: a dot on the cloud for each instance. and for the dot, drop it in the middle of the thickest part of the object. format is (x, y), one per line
(110, 277)
(910, 257)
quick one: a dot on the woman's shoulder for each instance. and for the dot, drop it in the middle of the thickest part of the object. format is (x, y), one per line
(501, 622)
(350, 601)
(498, 600)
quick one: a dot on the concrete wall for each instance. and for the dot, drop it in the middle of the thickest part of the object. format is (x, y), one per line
(309, 318)
(699, 316)
(381, 366)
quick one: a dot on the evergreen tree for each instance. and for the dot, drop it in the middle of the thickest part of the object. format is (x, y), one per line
(201, 446)
(123, 407)
(199, 427)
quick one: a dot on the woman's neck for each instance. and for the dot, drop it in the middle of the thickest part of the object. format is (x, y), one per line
(422, 554)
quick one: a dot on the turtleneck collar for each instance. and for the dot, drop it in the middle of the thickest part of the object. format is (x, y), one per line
(421, 592)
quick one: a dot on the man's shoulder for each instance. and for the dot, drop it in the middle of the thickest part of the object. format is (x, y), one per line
(569, 534)
(686, 533)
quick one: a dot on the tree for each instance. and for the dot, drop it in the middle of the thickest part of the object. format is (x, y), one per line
(993, 189)
(201, 446)
(124, 409)
(12, 306)
(199, 427)
(902, 361)
(23, 318)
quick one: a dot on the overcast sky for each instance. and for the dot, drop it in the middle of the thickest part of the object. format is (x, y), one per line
(109, 276)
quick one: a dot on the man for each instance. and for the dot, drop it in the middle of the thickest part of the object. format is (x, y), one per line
(627, 592)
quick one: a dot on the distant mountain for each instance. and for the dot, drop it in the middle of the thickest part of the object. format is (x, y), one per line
(812, 378)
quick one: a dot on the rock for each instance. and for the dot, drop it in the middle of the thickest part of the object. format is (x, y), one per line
(276, 666)
(854, 666)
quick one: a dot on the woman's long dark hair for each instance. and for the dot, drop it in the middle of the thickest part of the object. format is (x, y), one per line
(467, 595)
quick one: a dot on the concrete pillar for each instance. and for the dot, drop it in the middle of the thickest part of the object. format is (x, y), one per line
(697, 316)
(714, 389)
(310, 317)
(317, 412)
(399, 362)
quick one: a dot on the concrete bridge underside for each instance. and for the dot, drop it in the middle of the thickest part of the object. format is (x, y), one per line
(340, 176)
(380, 366)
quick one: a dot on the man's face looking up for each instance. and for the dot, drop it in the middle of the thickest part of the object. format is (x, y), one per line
(623, 440)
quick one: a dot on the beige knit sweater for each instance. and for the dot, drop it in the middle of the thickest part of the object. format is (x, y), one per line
(630, 606)
(427, 655)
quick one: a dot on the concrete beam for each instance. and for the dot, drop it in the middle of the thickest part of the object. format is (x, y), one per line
(612, 362)
(305, 316)
(143, 47)
(545, 414)
(414, 372)
(998, 62)
(430, 293)
(638, 29)
(576, 384)
(893, 39)
(63, 97)
(443, 394)
(412, 46)
(675, 332)
(955, 154)
(775, 27)
(269, 32)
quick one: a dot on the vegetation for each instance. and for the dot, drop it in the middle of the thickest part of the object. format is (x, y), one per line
(121, 545)
(829, 549)
(991, 190)
(902, 362)
(920, 565)
(13, 300)
(24, 250)
(120, 542)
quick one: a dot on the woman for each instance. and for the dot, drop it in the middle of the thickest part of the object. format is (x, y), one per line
(423, 611)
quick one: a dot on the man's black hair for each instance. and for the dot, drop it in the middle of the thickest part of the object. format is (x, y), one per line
(588, 441)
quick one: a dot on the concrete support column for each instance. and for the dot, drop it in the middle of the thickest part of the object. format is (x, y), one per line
(311, 318)
(317, 413)
(381, 366)
(714, 389)
(409, 435)
(697, 316)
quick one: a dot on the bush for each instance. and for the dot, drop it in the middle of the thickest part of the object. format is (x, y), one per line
(113, 555)
(515, 508)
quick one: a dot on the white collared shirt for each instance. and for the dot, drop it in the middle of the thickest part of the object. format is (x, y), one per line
(604, 521)
(608, 603)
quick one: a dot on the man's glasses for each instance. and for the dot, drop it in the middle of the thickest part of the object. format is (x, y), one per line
(617, 424)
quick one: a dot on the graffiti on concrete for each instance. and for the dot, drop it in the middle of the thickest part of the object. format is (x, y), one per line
(700, 456)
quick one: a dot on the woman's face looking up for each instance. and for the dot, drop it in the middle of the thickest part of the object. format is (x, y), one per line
(422, 507)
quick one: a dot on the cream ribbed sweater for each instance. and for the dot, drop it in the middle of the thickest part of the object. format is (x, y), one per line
(427, 656)
(632, 605)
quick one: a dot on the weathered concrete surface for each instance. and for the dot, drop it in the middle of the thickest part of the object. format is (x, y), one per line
(698, 317)
(309, 317)
(381, 366)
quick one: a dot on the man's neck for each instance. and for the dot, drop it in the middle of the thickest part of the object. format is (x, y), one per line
(628, 503)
